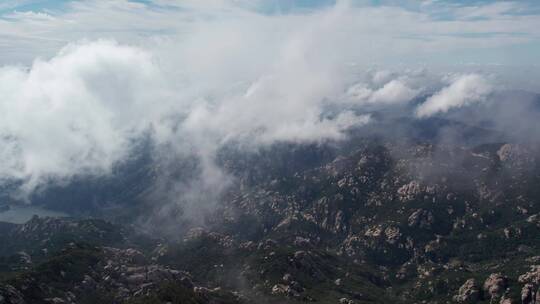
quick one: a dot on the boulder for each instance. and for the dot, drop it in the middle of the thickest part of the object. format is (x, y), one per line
(495, 285)
(10, 295)
(468, 293)
(421, 219)
(529, 294)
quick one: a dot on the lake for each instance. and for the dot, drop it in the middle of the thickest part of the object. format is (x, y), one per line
(19, 214)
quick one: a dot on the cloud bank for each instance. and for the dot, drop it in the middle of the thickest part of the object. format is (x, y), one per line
(81, 111)
(463, 90)
(195, 76)
(394, 91)
(75, 113)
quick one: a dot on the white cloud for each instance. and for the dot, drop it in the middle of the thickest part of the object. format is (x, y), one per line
(203, 74)
(10, 4)
(464, 90)
(490, 10)
(393, 92)
(363, 32)
(78, 112)
(380, 77)
(75, 113)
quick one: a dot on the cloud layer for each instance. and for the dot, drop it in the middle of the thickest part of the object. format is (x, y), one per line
(463, 90)
(75, 113)
(394, 91)
(197, 75)
(81, 111)
(420, 31)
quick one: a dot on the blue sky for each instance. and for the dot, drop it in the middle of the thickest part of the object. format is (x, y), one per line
(273, 6)
(456, 32)
(32, 5)
(302, 4)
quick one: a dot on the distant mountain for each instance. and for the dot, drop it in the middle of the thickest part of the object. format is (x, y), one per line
(437, 210)
(369, 222)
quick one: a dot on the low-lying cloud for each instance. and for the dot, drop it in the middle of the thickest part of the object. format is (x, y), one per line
(463, 90)
(394, 91)
(81, 111)
(194, 83)
(77, 112)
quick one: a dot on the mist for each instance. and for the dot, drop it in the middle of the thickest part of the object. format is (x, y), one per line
(247, 78)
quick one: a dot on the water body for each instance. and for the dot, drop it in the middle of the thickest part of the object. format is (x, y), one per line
(18, 214)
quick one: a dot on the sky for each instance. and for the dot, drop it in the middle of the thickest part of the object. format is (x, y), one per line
(399, 32)
(82, 81)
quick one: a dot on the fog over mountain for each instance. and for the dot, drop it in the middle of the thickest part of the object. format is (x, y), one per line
(373, 136)
(237, 75)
